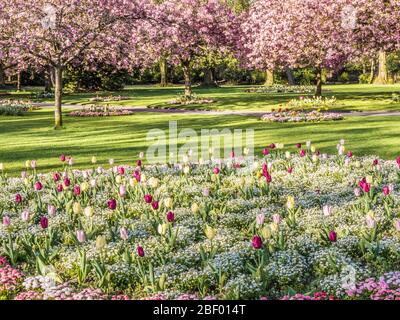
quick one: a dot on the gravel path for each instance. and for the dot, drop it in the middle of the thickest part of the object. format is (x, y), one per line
(228, 112)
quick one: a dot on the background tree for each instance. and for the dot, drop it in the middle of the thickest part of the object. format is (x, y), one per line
(60, 33)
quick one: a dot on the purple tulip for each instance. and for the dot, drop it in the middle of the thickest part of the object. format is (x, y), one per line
(67, 182)
(44, 222)
(148, 198)
(332, 236)
(140, 251)
(77, 190)
(112, 204)
(56, 177)
(155, 205)
(170, 216)
(18, 198)
(257, 242)
(60, 188)
(38, 186)
(139, 163)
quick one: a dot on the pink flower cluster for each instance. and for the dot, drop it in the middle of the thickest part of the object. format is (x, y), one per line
(9, 277)
(316, 296)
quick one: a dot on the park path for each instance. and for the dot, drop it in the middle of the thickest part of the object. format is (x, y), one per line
(253, 113)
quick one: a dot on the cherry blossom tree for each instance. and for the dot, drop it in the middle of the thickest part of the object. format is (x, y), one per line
(377, 31)
(59, 33)
(191, 29)
(297, 33)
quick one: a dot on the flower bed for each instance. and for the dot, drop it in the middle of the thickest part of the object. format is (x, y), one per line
(300, 116)
(292, 225)
(101, 111)
(15, 107)
(317, 103)
(281, 89)
(109, 98)
(185, 100)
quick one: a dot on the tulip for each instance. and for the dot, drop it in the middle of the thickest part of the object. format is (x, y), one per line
(153, 182)
(274, 227)
(265, 152)
(272, 146)
(210, 232)
(136, 175)
(276, 218)
(101, 242)
(216, 170)
(139, 163)
(38, 186)
(18, 198)
(99, 170)
(370, 220)
(386, 190)
(257, 242)
(62, 158)
(76, 208)
(33, 164)
(312, 149)
(260, 219)
(122, 191)
(70, 161)
(148, 198)
(302, 153)
(327, 210)
(398, 161)
(140, 251)
(206, 192)
(56, 177)
(1, 166)
(298, 145)
(357, 192)
(80, 236)
(308, 144)
(314, 158)
(155, 205)
(123, 234)
(77, 190)
(195, 208)
(6, 221)
(290, 170)
(25, 215)
(27, 164)
(332, 236)
(376, 162)
(111, 162)
(93, 183)
(88, 212)
(290, 202)
(44, 222)
(162, 229)
(118, 179)
(84, 186)
(349, 154)
(170, 216)
(51, 210)
(266, 232)
(67, 182)
(94, 160)
(112, 204)
(23, 174)
(397, 224)
(60, 188)
(168, 202)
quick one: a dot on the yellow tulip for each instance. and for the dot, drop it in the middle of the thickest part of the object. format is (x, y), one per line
(274, 227)
(118, 179)
(153, 182)
(290, 202)
(162, 229)
(89, 212)
(168, 203)
(76, 208)
(132, 182)
(313, 149)
(369, 179)
(28, 163)
(84, 186)
(266, 232)
(100, 242)
(195, 208)
(94, 160)
(210, 232)
(1, 166)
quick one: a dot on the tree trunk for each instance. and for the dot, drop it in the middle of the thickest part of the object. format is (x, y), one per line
(382, 77)
(18, 81)
(2, 77)
(269, 77)
(290, 76)
(372, 72)
(318, 92)
(188, 79)
(163, 72)
(208, 80)
(58, 97)
(48, 83)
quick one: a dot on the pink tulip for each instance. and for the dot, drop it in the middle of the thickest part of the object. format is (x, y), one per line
(260, 219)
(232, 154)
(33, 164)
(216, 170)
(62, 158)
(80, 236)
(25, 215)
(77, 190)
(136, 175)
(51, 210)
(70, 161)
(327, 210)
(60, 188)
(140, 251)
(67, 182)
(170, 216)
(302, 153)
(257, 242)
(290, 170)
(121, 170)
(332, 236)
(272, 146)
(398, 161)
(357, 192)
(123, 234)
(206, 192)
(276, 218)
(298, 145)
(56, 177)
(148, 198)
(397, 224)
(6, 221)
(376, 162)
(265, 152)
(38, 186)
(122, 191)
(23, 174)
(349, 154)
(371, 223)
(386, 190)
(44, 222)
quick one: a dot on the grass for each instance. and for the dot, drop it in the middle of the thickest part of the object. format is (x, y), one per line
(122, 138)
(351, 97)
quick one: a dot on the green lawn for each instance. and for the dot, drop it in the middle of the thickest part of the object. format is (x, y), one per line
(122, 138)
(351, 97)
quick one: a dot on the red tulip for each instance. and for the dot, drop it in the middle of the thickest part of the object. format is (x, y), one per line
(272, 146)
(62, 158)
(332, 236)
(112, 204)
(257, 242)
(139, 163)
(170, 216)
(18, 198)
(349, 154)
(366, 187)
(38, 186)
(44, 222)
(148, 198)
(298, 145)
(376, 162)
(121, 171)
(140, 251)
